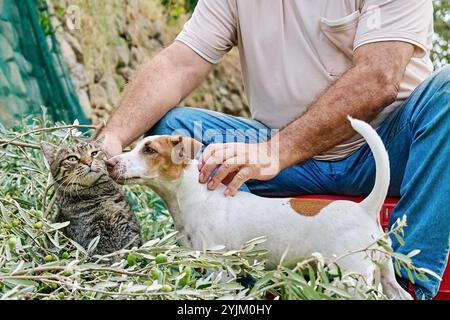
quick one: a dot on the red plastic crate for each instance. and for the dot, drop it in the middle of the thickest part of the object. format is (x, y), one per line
(386, 210)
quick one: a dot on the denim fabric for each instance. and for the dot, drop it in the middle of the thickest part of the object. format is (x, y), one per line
(416, 137)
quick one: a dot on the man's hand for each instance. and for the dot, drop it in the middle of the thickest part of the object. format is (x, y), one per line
(239, 161)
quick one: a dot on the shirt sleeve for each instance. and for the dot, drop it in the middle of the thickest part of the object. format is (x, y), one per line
(212, 30)
(396, 20)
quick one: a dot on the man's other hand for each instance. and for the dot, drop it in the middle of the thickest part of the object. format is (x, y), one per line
(241, 161)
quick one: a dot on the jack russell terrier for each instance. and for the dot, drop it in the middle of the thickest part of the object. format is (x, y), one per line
(207, 218)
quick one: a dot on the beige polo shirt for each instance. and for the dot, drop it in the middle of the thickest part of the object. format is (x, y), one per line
(292, 50)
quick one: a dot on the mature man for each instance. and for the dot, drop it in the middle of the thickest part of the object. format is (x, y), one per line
(306, 66)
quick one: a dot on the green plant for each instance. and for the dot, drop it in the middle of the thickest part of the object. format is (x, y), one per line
(441, 51)
(45, 19)
(38, 262)
(176, 8)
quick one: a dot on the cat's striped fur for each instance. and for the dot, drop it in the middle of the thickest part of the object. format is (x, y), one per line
(93, 203)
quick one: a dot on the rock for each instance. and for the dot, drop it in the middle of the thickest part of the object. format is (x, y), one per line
(7, 49)
(78, 76)
(237, 102)
(97, 77)
(152, 45)
(228, 105)
(123, 54)
(75, 45)
(111, 89)
(4, 83)
(209, 100)
(121, 25)
(98, 96)
(67, 52)
(120, 81)
(126, 73)
(156, 31)
(138, 55)
(84, 102)
(9, 33)
(24, 64)
(133, 9)
(223, 91)
(15, 77)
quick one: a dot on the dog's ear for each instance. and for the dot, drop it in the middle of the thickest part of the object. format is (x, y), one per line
(50, 151)
(184, 149)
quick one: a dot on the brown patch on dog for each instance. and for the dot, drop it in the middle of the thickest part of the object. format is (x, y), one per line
(171, 156)
(309, 207)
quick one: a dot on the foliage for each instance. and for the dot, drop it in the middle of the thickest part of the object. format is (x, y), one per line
(176, 8)
(45, 19)
(441, 52)
(38, 262)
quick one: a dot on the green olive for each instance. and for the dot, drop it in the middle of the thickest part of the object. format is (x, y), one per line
(185, 280)
(16, 222)
(12, 242)
(166, 288)
(131, 259)
(148, 283)
(65, 255)
(161, 258)
(156, 274)
(38, 225)
(49, 258)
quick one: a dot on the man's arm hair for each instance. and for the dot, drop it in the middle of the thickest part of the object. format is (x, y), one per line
(157, 86)
(363, 91)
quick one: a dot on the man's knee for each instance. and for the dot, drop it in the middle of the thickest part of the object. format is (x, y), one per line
(431, 102)
(442, 78)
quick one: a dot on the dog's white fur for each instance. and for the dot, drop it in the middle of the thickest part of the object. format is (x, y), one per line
(208, 218)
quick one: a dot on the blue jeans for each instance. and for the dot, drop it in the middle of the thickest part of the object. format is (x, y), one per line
(416, 137)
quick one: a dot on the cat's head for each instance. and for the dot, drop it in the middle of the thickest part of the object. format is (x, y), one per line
(78, 166)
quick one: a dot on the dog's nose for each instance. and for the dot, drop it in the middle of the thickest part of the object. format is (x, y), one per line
(111, 163)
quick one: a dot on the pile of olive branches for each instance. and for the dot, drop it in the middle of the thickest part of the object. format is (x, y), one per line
(38, 262)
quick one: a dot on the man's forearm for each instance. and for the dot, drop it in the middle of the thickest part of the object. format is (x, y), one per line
(361, 92)
(159, 85)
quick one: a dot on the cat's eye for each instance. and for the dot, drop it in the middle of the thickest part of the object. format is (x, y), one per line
(94, 153)
(72, 159)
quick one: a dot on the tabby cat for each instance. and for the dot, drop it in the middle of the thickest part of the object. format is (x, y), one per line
(89, 199)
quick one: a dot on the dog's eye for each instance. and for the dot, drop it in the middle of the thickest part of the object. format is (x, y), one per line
(72, 159)
(149, 151)
(94, 153)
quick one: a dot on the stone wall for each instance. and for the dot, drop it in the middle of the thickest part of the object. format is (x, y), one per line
(115, 37)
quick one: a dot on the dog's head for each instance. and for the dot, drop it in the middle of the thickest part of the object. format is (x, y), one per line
(156, 158)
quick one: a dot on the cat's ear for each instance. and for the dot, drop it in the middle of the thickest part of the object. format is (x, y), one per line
(50, 151)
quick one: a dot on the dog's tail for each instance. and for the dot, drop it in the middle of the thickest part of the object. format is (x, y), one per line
(375, 200)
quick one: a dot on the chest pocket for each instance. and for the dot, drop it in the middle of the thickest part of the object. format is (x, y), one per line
(339, 35)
